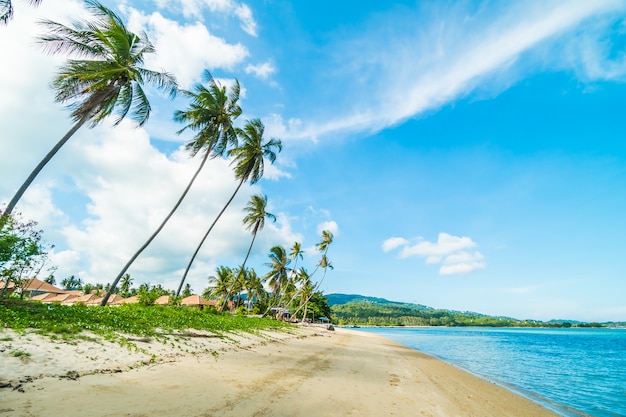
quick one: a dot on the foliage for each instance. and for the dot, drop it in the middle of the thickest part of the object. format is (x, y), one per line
(386, 313)
(73, 283)
(23, 253)
(132, 319)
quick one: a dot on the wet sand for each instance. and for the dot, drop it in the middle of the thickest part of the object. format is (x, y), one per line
(310, 372)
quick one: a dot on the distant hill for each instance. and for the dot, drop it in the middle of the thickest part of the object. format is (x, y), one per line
(355, 309)
(352, 298)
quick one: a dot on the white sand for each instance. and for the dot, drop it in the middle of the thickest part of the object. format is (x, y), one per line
(309, 372)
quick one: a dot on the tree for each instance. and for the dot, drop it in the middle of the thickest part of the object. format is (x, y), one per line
(6, 9)
(254, 221)
(22, 251)
(125, 286)
(211, 114)
(187, 291)
(220, 284)
(324, 262)
(278, 274)
(249, 165)
(71, 283)
(253, 285)
(109, 79)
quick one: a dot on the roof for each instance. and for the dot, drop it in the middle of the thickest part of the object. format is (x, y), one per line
(128, 300)
(163, 300)
(44, 296)
(194, 300)
(60, 298)
(34, 284)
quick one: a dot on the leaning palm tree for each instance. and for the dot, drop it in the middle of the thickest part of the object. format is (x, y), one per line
(278, 274)
(324, 262)
(6, 9)
(249, 166)
(210, 114)
(108, 79)
(254, 221)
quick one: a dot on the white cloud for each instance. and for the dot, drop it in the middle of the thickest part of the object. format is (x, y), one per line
(248, 24)
(262, 71)
(185, 50)
(394, 242)
(330, 225)
(195, 8)
(449, 250)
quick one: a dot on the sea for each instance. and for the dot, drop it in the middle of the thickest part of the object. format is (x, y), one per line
(574, 372)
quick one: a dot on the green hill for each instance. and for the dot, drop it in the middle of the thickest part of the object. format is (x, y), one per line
(354, 309)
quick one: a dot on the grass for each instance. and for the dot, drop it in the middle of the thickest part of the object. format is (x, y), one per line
(68, 322)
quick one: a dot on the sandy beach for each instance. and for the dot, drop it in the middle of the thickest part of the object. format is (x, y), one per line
(308, 372)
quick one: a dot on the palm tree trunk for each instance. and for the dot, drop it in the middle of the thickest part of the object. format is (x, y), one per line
(193, 257)
(18, 195)
(242, 268)
(157, 231)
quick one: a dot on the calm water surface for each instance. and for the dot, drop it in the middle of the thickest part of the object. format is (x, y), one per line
(575, 372)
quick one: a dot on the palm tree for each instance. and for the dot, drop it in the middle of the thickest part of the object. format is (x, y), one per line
(107, 80)
(255, 221)
(253, 285)
(6, 9)
(324, 262)
(220, 284)
(210, 114)
(277, 277)
(125, 285)
(249, 165)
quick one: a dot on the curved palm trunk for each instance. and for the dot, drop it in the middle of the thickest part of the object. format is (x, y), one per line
(18, 195)
(241, 270)
(156, 232)
(193, 257)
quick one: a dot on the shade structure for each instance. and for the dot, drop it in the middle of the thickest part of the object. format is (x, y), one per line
(163, 300)
(194, 300)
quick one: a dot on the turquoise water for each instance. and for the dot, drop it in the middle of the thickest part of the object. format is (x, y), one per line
(575, 372)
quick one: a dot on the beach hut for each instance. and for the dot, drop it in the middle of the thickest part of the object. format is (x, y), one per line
(114, 299)
(85, 299)
(194, 300)
(130, 300)
(163, 300)
(59, 298)
(30, 287)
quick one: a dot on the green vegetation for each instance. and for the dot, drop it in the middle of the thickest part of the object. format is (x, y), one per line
(132, 319)
(368, 311)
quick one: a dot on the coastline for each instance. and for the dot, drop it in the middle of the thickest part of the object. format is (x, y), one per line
(308, 372)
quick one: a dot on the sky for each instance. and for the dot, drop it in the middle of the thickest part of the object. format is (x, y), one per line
(467, 155)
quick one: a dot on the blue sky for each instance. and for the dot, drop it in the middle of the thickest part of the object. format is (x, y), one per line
(466, 155)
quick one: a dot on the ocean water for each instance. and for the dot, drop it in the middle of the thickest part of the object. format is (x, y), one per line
(574, 372)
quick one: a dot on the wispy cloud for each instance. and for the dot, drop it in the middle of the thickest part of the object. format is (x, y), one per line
(262, 71)
(435, 55)
(449, 251)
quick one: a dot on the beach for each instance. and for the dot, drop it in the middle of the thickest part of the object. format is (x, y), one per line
(310, 371)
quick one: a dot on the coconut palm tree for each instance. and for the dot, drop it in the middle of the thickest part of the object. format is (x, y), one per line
(107, 79)
(210, 114)
(278, 275)
(220, 284)
(253, 285)
(324, 262)
(249, 166)
(254, 221)
(6, 9)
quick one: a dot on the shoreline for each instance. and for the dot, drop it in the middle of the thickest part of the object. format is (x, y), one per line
(310, 371)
